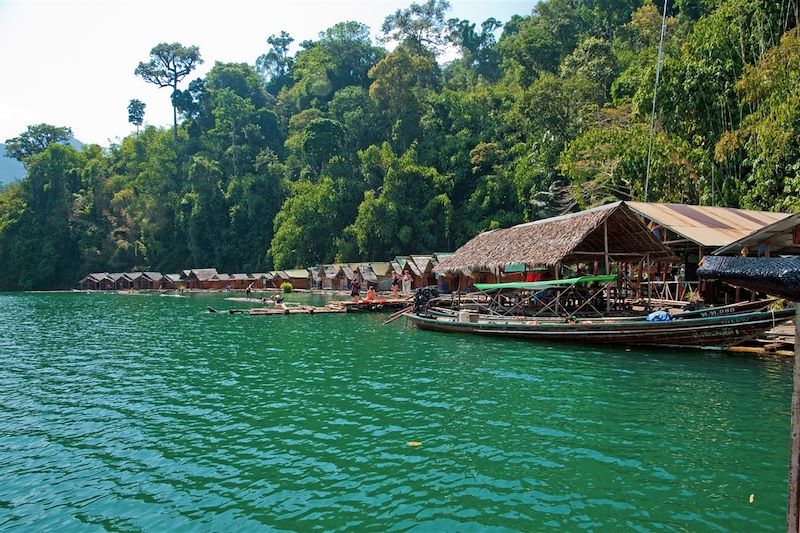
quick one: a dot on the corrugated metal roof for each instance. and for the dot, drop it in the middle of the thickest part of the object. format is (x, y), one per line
(704, 225)
(778, 234)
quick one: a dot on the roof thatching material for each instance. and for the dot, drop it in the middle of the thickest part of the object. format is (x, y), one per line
(424, 263)
(348, 272)
(367, 274)
(330, 271)
(574, 238)
(776, 276)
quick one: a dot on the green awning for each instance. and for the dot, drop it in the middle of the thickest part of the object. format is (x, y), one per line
(544, 284)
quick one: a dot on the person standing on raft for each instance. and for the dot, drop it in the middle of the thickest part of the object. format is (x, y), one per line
(395, 284)
(355, 289)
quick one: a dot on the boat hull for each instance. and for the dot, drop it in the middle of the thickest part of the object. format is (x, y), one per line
(718, 331)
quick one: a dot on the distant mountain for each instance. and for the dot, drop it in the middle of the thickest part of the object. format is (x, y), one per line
(13, 170)
(10, 169)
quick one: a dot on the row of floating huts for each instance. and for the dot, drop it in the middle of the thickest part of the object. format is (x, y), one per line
(666, 235)
(337, 276)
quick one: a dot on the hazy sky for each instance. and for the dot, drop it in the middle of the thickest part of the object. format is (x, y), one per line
(71, 62)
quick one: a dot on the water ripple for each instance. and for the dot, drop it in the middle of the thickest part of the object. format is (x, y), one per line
(146, 413)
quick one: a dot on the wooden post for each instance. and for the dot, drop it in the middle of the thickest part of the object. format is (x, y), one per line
(608, 266)
(793, 511)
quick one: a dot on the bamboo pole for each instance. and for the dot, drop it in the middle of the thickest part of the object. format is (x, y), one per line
(793, 511)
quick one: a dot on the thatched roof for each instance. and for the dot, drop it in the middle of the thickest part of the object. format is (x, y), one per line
(424, 263)
(348, 271)
(367, 274)
(330, 271)
(573, 238)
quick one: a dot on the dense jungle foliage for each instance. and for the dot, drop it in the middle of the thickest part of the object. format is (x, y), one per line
(348, 151)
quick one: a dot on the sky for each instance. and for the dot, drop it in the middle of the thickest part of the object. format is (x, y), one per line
(71, 62)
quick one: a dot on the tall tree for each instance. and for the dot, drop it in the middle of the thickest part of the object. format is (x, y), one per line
(420, 26)
(36, 139)
(168, 65)
(276, 65)
(136, 112)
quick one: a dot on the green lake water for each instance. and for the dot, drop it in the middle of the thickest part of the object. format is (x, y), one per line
(141, 412)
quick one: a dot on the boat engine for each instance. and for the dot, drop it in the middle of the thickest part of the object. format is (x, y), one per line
(422, 296)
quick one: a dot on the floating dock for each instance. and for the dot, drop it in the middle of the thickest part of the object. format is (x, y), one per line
(344, 306)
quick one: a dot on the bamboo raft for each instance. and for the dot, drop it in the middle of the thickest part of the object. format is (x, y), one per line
(362, 306)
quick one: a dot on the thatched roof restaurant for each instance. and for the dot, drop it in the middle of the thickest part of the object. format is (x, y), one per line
(611, 232)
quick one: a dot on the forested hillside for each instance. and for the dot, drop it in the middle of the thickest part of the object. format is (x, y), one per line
(346, 150)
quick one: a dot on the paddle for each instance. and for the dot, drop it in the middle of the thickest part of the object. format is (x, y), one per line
(398, 314)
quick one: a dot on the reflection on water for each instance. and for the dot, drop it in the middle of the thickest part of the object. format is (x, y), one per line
(145, 412)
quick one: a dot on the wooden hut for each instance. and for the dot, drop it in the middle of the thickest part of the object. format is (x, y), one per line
(445, 281)
(298, 277)
(609, 234)
(116, 279)
(199, 278)
(407, 264)
(425, 266)
(383, 272)
(349, 275)
(316, 277)
(332, 277)
(241, 281)
(172, 282)
(259, 280)
(97, 281)
(222, 282)
(276, 277)
(151, 281)
(130, 281)
(368, 277)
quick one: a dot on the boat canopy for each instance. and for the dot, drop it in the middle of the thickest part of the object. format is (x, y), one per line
(545, 284)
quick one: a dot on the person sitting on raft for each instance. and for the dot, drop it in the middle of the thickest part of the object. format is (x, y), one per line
(371, 294)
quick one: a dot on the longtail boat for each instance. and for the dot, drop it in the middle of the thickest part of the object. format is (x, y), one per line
(720, 331)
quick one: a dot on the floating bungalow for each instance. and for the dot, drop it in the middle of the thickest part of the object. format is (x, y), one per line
(601, 237)
(116, 277)
(300, 278)
(368, 277)
(383, 273)
(332, 277)
(258, 279)
(241, 281)
(425, 266)
(199, 278)
(349, 274)
(172, 282)
(407, 265)
(97, 281)
(150, 281)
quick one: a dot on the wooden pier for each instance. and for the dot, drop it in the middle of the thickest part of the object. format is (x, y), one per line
(343, 306)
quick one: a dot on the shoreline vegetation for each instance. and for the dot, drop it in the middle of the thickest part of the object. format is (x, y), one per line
(347, 147)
